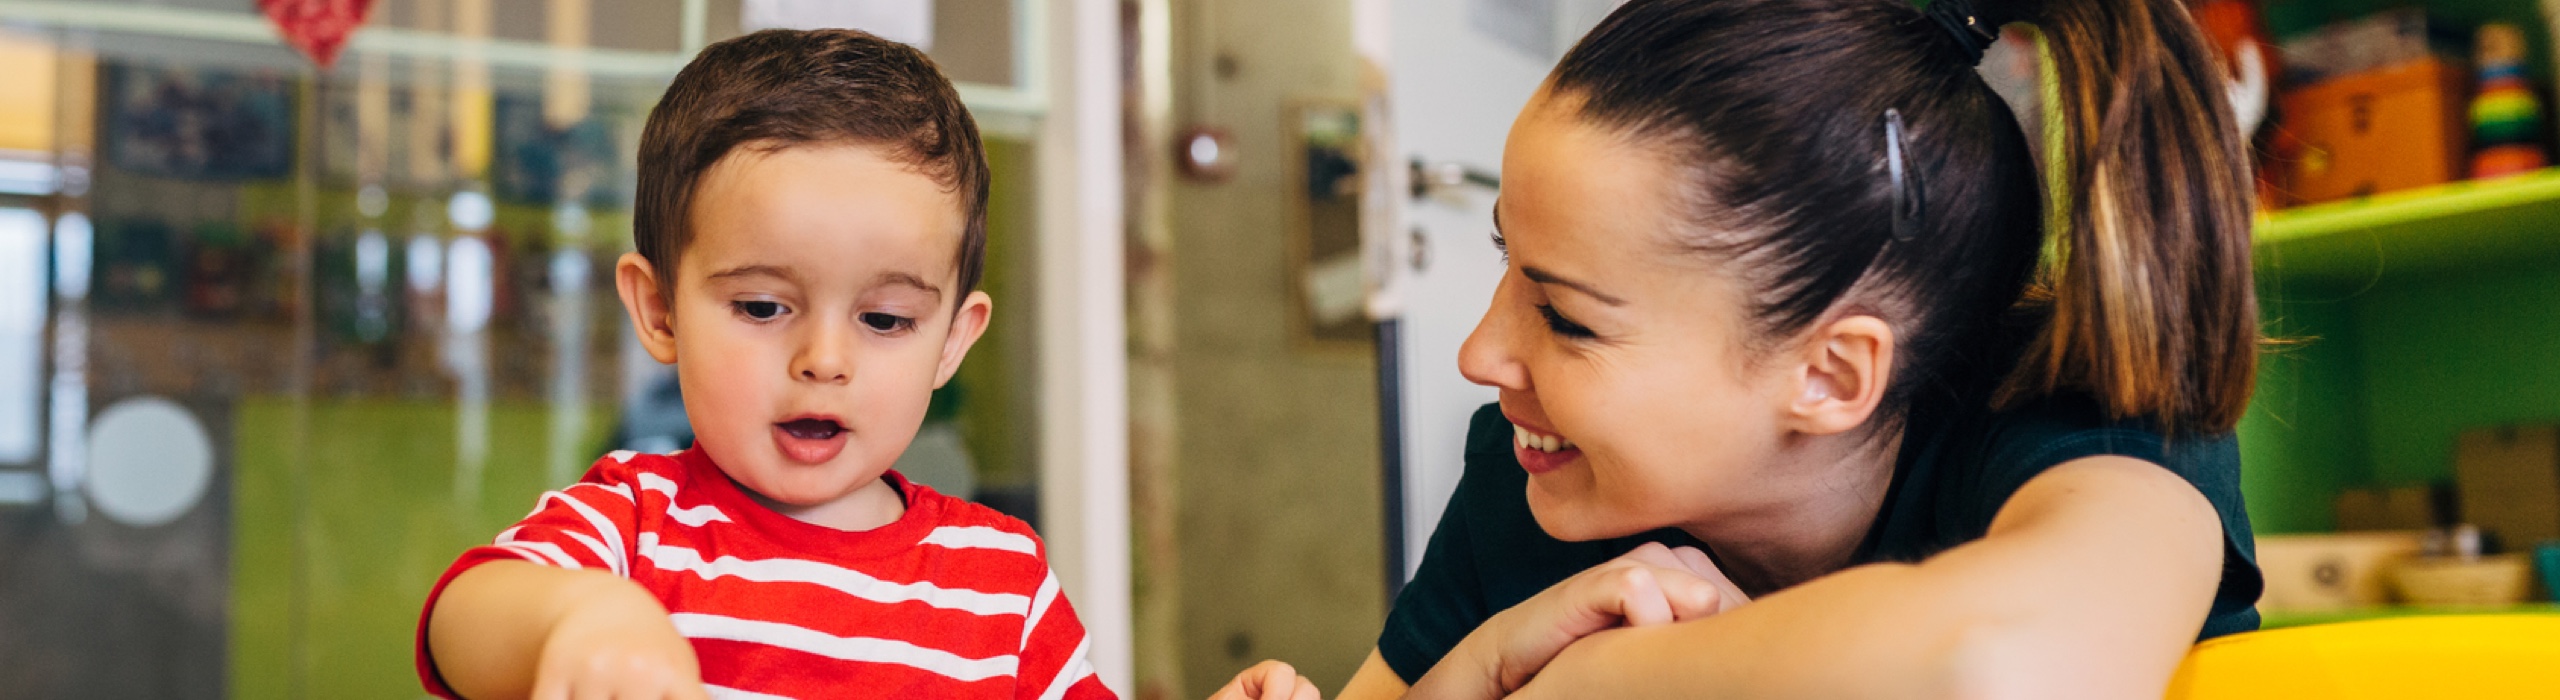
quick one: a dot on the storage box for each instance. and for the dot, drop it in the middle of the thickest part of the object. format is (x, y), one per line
(2509, 479)
(2389, 129)
(2490, 581)
(2397, 508)
(2382, 39)
(2317, 573)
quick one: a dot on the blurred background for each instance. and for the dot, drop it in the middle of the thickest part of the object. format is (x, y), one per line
(300, 298)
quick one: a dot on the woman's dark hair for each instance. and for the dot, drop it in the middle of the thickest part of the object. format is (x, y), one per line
(1777, 108)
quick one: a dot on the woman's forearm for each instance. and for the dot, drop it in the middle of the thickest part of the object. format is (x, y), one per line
(1870, 632)
(2091, 584)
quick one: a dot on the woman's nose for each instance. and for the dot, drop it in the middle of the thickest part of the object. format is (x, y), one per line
(825, 355)
(1487, 358)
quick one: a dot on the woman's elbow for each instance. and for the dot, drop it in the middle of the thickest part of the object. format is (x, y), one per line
(2005, 660)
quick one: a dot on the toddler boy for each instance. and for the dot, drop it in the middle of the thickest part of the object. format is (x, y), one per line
(810, 226)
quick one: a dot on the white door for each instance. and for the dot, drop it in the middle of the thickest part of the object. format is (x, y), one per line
(1457, 72)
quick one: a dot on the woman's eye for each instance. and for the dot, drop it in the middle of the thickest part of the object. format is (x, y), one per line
(887, 323)
(1557, 323)
(759, 310)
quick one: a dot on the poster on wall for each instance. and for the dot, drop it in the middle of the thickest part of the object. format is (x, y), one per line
(191, 124)
(541, 164)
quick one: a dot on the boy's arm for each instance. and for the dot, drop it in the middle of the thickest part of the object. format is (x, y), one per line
(545, 611)
(515, 629)
(1056, 659)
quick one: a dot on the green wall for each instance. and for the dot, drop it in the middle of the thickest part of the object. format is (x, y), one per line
(2383, 380)
(2302, 439)
(2447, 355)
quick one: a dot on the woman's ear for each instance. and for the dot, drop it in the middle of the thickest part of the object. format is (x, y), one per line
(1847, 364)
(651, 318)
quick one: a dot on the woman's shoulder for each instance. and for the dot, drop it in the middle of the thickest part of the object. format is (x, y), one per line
(2016, 444)
(2041, 433)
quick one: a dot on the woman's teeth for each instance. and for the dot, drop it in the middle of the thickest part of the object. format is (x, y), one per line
(1542, 443)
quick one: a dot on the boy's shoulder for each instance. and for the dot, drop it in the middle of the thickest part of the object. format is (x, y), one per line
(957, 520)
(953, 511)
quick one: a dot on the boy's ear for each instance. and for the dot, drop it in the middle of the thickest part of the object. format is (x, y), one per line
(637, 280)
(967, 324)
(1847, 363)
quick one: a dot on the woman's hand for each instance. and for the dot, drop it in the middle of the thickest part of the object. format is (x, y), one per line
(1269, 680)
(617, 645)
(1649, 586)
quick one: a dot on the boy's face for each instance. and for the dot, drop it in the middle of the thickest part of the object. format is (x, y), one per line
(812, 315)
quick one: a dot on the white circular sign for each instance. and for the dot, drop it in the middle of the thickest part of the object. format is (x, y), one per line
(149, 461)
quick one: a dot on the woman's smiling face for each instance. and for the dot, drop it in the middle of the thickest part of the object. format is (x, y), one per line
(1606, 335)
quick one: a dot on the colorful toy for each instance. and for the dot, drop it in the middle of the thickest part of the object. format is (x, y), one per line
(2506, 117)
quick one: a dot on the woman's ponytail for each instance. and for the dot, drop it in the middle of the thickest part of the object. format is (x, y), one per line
(2153, 311)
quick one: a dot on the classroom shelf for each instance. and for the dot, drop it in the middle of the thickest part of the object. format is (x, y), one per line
(2455, 228)
(2274, 620)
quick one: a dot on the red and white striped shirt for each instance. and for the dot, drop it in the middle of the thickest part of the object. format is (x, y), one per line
(952, 600)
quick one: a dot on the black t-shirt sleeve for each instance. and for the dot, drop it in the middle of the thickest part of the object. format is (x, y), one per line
(2032, 444)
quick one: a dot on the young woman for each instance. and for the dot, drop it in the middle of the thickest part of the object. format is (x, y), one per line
(1806, 391)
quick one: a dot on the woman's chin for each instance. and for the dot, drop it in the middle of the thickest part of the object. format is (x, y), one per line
(1575, 518)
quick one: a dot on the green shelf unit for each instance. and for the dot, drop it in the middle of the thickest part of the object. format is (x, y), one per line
(2301, 619)
(2457, 228)
(2414, 316)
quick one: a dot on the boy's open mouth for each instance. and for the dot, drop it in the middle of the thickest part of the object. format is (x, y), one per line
(811, 439)
(811, 428)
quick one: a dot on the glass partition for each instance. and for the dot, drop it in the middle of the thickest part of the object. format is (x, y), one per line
(277, 343)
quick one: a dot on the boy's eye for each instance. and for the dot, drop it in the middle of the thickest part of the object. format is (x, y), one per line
(759, 310)
(887, 323)
(1560, 325)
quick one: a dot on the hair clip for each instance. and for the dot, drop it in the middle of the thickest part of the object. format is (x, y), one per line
(1908, 212)
(1970, 29)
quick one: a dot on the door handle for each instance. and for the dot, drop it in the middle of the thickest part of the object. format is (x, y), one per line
(1429, 178)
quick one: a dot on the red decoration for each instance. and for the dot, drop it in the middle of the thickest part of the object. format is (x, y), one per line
(319, 28)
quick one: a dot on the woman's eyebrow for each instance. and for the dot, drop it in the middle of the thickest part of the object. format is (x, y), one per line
(1544, 277)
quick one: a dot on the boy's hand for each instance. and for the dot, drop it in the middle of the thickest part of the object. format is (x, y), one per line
(617, 645)
(1649, 586)
(1269, 680)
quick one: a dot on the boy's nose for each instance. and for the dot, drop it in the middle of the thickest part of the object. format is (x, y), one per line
(825, 357)
(823, 375)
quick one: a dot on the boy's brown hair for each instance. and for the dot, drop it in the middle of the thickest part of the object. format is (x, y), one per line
(779, 88)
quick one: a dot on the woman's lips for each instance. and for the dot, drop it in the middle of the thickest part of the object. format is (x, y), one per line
(1539, 452)
(810, 440)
